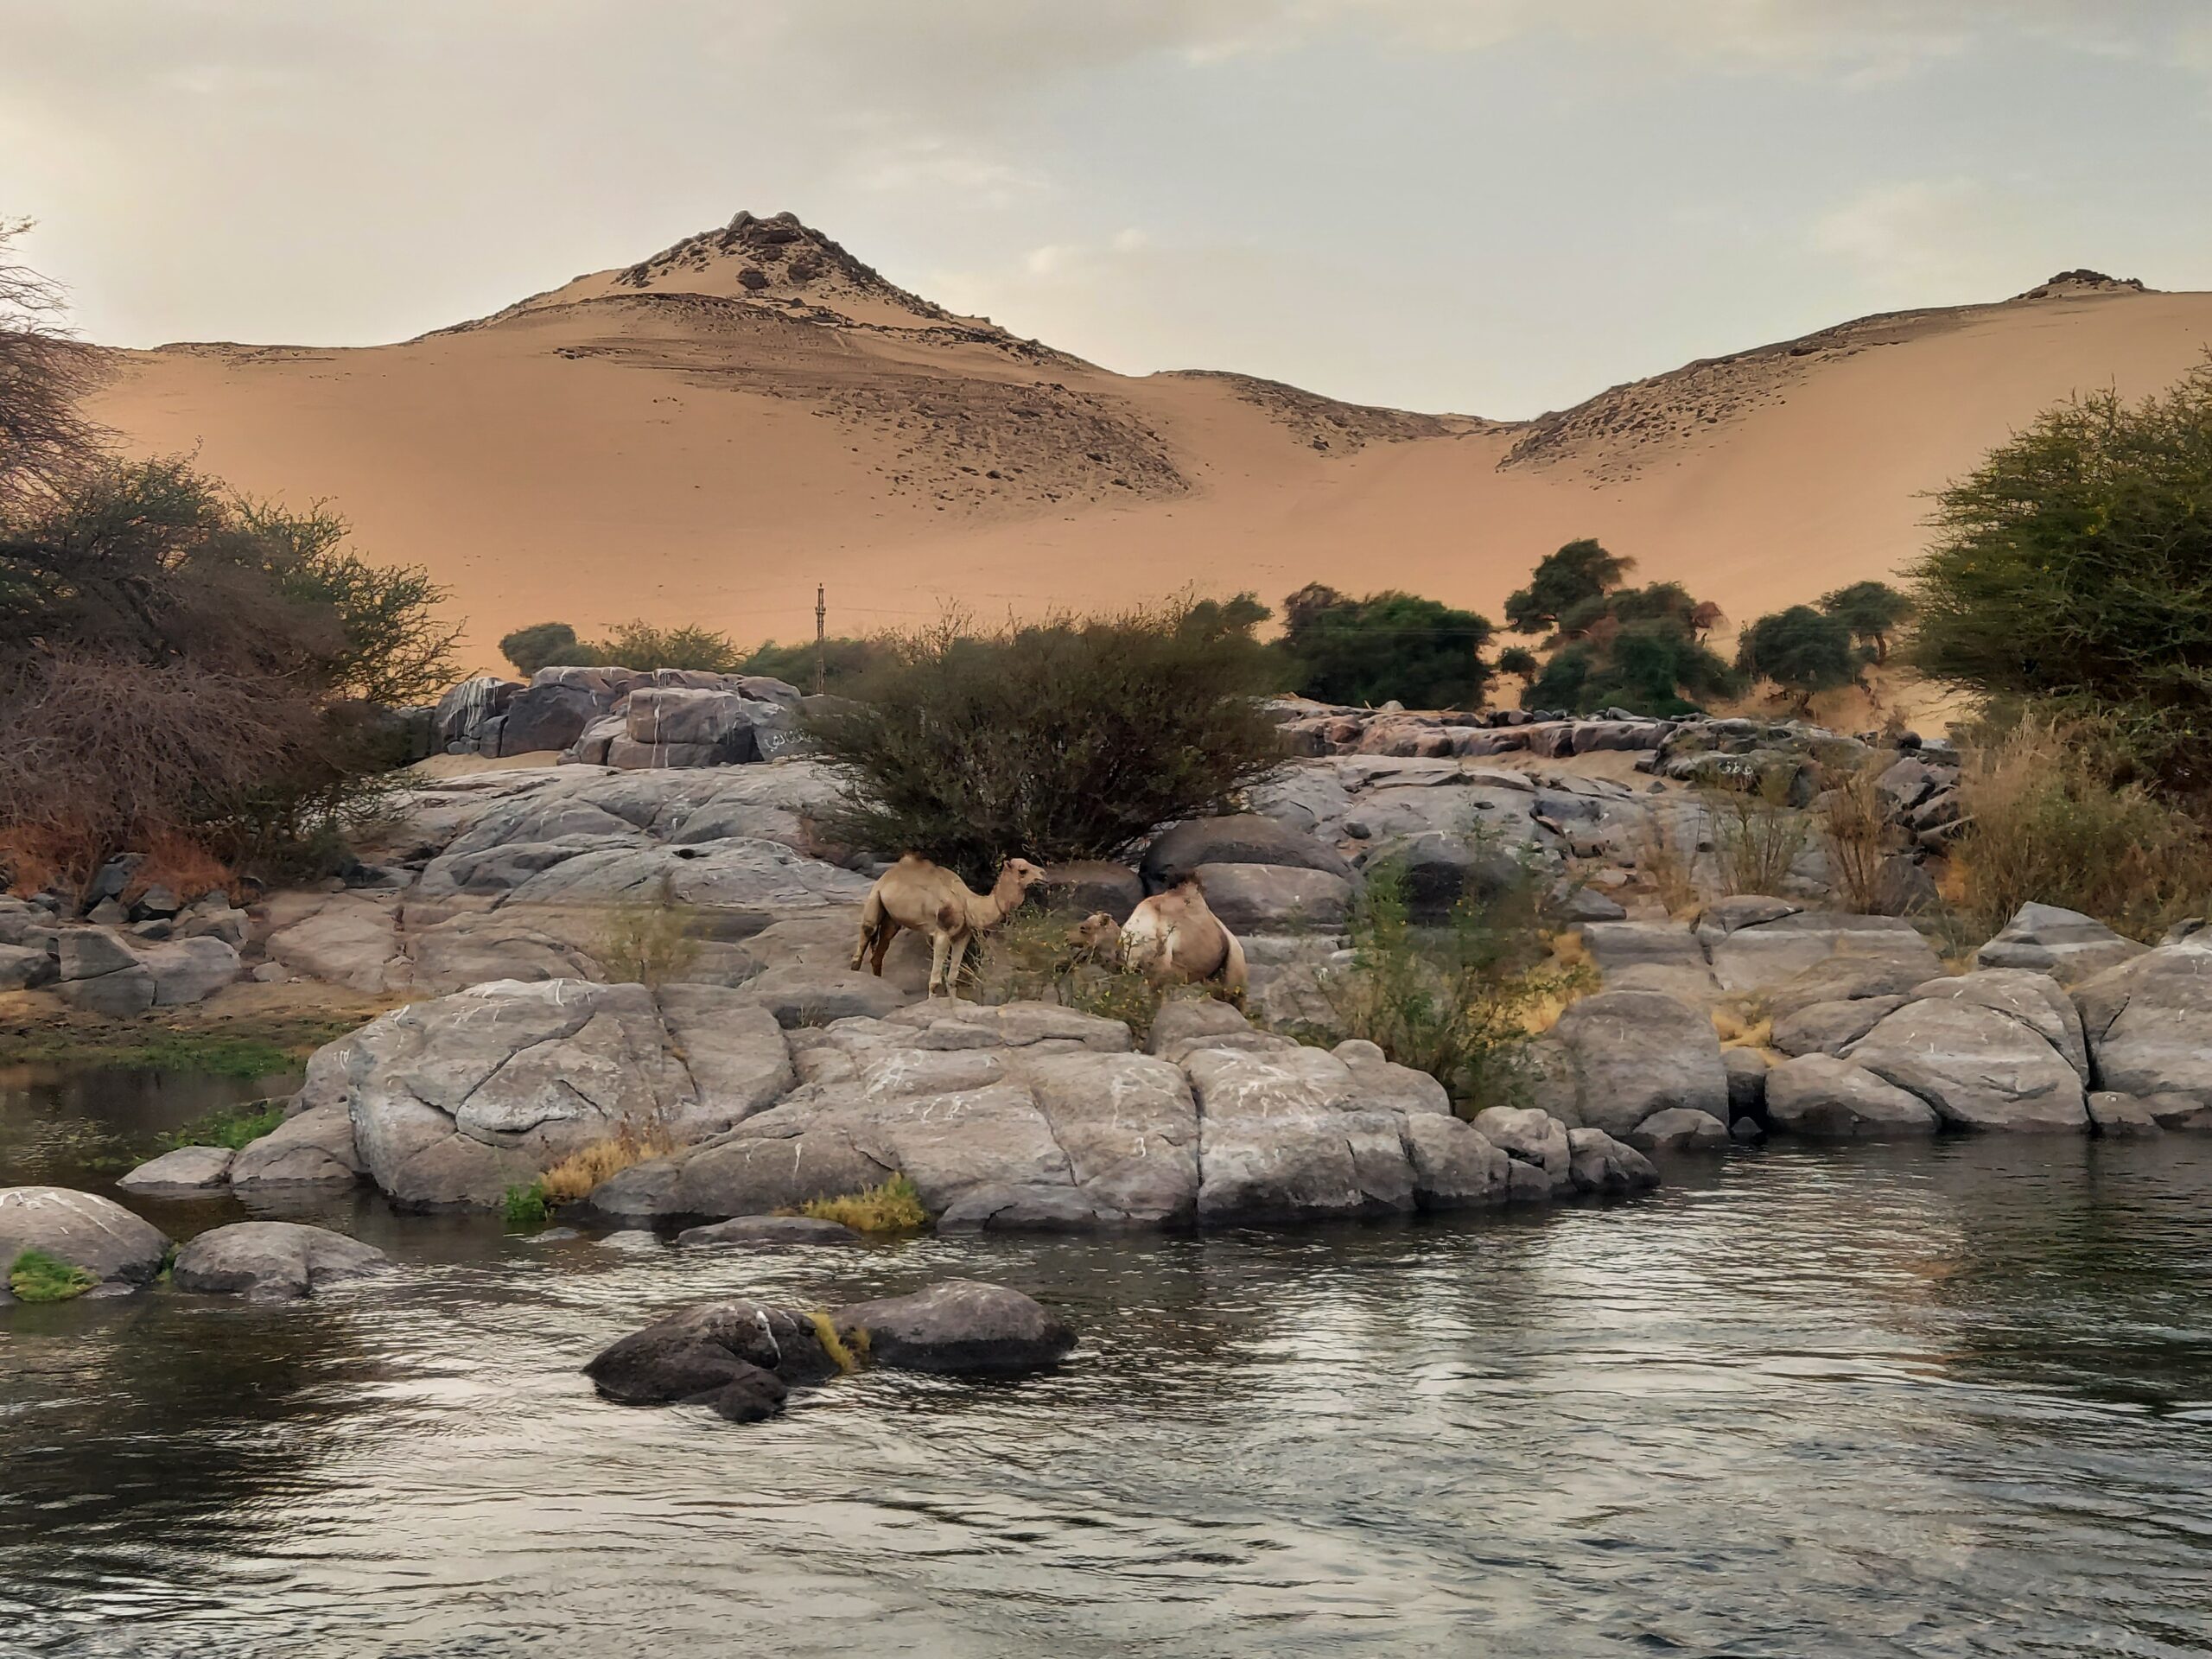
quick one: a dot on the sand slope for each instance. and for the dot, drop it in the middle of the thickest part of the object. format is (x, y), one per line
(705, 435)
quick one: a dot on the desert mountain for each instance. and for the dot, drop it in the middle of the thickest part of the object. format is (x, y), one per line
(706, 435)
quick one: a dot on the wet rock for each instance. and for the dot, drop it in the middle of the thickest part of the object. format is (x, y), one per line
(1746, 1069)
(1603, 1165)
(1530, 1136)
(272, 1261)
(2119, 1116)
(765, 1231)
(1745, 1130)
(187, 1169)
(2064, 944)
(1979, 1069)
(1637, 1053)
(963, 1327)
(315, 1148)
(1823, 1097)
(2148, 1022)
(85, 1231)
(1678, 1130)
(696, 1353)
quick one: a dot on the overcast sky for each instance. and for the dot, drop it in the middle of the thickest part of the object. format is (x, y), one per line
(1489, 206)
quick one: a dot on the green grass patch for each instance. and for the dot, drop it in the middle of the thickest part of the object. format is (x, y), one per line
(234, 1127)
(34, 1277)
(526, 1207)
(209, 1054)
(894, 1207)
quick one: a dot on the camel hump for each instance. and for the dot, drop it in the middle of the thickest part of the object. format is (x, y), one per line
(912, 861)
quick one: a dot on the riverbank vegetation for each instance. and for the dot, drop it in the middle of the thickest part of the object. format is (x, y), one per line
(895, 1206)
(34, 1277)
(1067, 738)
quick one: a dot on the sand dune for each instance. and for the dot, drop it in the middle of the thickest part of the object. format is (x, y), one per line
(705, 435)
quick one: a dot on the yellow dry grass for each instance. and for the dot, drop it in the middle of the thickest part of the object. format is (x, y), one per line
(574, 1176)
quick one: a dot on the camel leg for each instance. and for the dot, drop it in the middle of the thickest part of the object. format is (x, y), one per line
(872, 920)
(940, 946)
(884, 935)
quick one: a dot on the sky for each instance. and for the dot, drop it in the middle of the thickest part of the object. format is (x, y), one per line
(1490, 207)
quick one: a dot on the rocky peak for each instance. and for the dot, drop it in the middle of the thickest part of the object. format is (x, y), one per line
(778, 259)
(2070, 285)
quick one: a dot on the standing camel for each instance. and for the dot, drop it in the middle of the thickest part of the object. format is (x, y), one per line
(916, 894)
(1170, 936)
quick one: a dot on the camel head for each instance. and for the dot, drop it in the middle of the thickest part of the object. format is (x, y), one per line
(1016, 877)
(1097, 934)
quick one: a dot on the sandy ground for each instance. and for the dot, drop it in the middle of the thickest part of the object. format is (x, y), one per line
(688, 443)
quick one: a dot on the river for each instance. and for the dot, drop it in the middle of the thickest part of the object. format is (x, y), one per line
(1928, 1400)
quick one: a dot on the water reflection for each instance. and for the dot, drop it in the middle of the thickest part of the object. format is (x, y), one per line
(1947, 1401)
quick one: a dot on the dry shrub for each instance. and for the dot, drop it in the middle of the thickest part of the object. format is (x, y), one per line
(574, 1176)
(1855, 828)
(2047, 824)
(1027, 959)
(1758, 833)
(894, 1207)
(1746, 1027)
(34, 857)
(182, 866)
(651, 942)
(1659, 860)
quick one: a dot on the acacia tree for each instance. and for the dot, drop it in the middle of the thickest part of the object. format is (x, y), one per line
(1873, 611)
(44, 371)
(1577, 575)
(1386, 645)
(1801, 650)
(2072, 570)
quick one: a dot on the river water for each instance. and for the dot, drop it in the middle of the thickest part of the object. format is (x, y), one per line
(1928, 1400)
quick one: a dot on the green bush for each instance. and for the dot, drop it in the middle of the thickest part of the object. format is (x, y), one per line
(527, 1206)
(842, 660)
(34, 1277)
(545, 644)
(1801, 650)
(1462, 1002)
(894, 1207)
(1387, 646)
(1873, 611)
(234, 1127)
(1579, 573)
(1072, 738)
(2073, 569)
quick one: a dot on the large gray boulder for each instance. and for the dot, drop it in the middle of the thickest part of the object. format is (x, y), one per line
(1234, 838)
(1274, 899)
(2034, 999)
(1605, 1166)
(453, 1101)
(187, 1169)
(1821, 1096)
(100, 974)
(2064, 944)
(740, 1359)
(272, 1261)
(24, 966)
(1979, 1068)
(2148, 1022)
(190, 970)
(313, 1148)
(351, 939)
(1677, 1129)
(1752, 946)
(1637, 1053)
(799, 995)
(101, 1236)
(1831, 1027)
(1661, 956)
(963, 1326)
(1529, 1136)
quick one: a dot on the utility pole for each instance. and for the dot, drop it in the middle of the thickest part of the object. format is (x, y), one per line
(821, 659)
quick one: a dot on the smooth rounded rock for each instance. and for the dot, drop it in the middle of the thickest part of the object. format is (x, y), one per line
(272, 1261)
(83, 1229)
(961, 1327)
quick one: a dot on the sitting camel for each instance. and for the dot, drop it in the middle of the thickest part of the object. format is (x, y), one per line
(916, 894)
(1170, 936)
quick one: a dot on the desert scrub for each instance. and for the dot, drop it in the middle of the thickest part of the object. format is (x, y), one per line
(1757, 833)
(235, 1127)
(649, 942)
(2049, 821)
(894, 1207)
(574, 1176)
(526, 1207)
(34, 1277)
(1460, 1002)
(1029, 958)
(1856, 833)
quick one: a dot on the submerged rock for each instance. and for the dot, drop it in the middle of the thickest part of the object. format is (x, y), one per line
(272, 1261)
(962, 1326)
(769, 1230)
(187, 1169)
